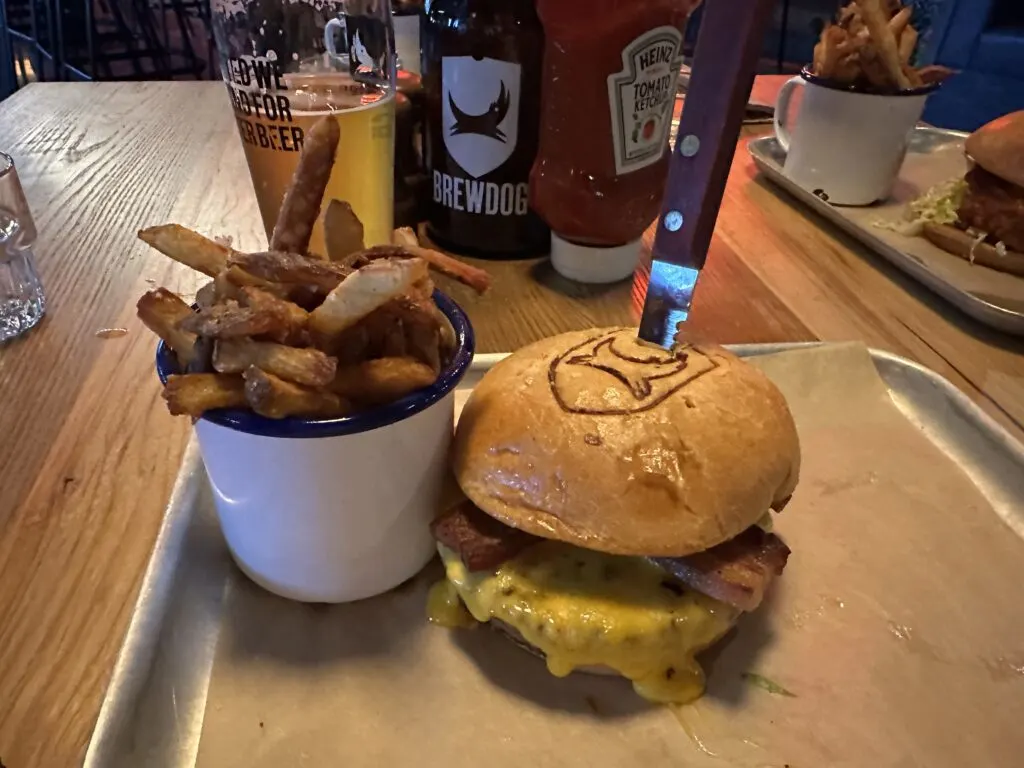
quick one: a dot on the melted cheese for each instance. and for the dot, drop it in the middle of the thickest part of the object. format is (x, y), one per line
(588, 609)
(444, 607)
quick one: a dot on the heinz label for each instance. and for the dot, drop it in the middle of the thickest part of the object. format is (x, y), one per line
(641, 97)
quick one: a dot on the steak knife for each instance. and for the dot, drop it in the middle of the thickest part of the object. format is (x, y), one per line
(728, 47)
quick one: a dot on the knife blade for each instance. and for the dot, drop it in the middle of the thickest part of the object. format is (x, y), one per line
(728, 45)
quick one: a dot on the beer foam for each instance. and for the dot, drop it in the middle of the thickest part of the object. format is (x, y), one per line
(320, 92)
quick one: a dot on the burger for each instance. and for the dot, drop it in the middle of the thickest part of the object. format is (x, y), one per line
(616, 505)
(981, 217)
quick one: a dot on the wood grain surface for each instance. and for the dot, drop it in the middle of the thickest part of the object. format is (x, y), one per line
(88, 453)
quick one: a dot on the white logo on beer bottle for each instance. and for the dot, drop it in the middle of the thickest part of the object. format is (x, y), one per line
(641, 97)
(479, 111)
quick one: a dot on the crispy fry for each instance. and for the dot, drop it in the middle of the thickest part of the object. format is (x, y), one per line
(872, 68)
(291, 269)
(206, 296)
(382, 380)
(230, 320)
(831, 37)
(848, 45)
(301, 205)
(310, 367)
(876, 19)
(293, 317)
(421, 330)
(846, 16)
(161, 311)
(276, 398)
(343, 232)
(187, 247)
(202, 356)
(934, 73)
(239, 277)
(405, 236)
(848, 69)
(900, 21)
(446, 332)
(364, 291)
(906, 45)
(224, 288)
(477, 279)
(912, 76)
(195, 393)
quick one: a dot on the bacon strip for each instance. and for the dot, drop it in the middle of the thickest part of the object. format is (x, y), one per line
(737, 572)
(477, 279)
(482, 542)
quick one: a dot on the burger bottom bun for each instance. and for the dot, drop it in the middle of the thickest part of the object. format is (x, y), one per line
(513, 634)
(959, 243)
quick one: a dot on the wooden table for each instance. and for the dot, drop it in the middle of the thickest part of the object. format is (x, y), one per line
(88, 453)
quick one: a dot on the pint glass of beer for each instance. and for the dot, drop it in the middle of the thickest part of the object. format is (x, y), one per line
(285, 69)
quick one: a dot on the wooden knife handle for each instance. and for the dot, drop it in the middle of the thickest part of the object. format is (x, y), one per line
(728, 47)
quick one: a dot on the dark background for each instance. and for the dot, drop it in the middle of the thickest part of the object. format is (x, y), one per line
(165, 39)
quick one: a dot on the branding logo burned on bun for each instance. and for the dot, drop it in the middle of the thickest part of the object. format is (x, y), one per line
(639, 376)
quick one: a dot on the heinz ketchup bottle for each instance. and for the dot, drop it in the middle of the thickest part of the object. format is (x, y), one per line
(610, 74)
(481, 79)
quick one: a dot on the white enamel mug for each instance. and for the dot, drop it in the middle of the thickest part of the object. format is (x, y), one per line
(335, 510)
(847, 145)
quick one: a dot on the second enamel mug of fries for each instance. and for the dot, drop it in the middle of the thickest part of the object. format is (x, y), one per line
(847, 145)
(334, 510)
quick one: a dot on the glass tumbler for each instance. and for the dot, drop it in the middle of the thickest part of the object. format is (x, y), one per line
(282, 78)
(22, 303)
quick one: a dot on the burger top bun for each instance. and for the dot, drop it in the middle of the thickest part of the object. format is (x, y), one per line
(603, 441)
(998, 147)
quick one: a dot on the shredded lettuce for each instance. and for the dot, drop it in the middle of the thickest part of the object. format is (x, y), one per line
(939, 205)
(979, 238)
(769, 685)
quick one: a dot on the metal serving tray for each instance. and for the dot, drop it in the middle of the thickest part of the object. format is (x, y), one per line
(154, 708)
(934, 155)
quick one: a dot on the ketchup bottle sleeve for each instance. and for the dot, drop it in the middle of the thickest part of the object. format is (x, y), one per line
(611, 69)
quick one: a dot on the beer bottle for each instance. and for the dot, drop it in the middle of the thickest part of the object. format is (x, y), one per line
(481, 68)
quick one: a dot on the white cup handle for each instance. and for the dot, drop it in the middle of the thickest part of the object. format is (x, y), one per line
(329, 30)
(781, 115)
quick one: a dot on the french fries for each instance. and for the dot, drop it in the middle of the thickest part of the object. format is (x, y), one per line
(161, 311)
(187, 247)
(238, 277)
(876, 19)
(422, 332)
(907, 42)
(900, 21)
(230, 320)
(193, 394)
(343, 232)
(405, 236)
(382, 380)
(301, 205)
(310, 367)
(207, 296)
(292, 317)
(477, 279)
(291, 269)
(872, 45)
(287, 334)
(364, 291)
(276, 398)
